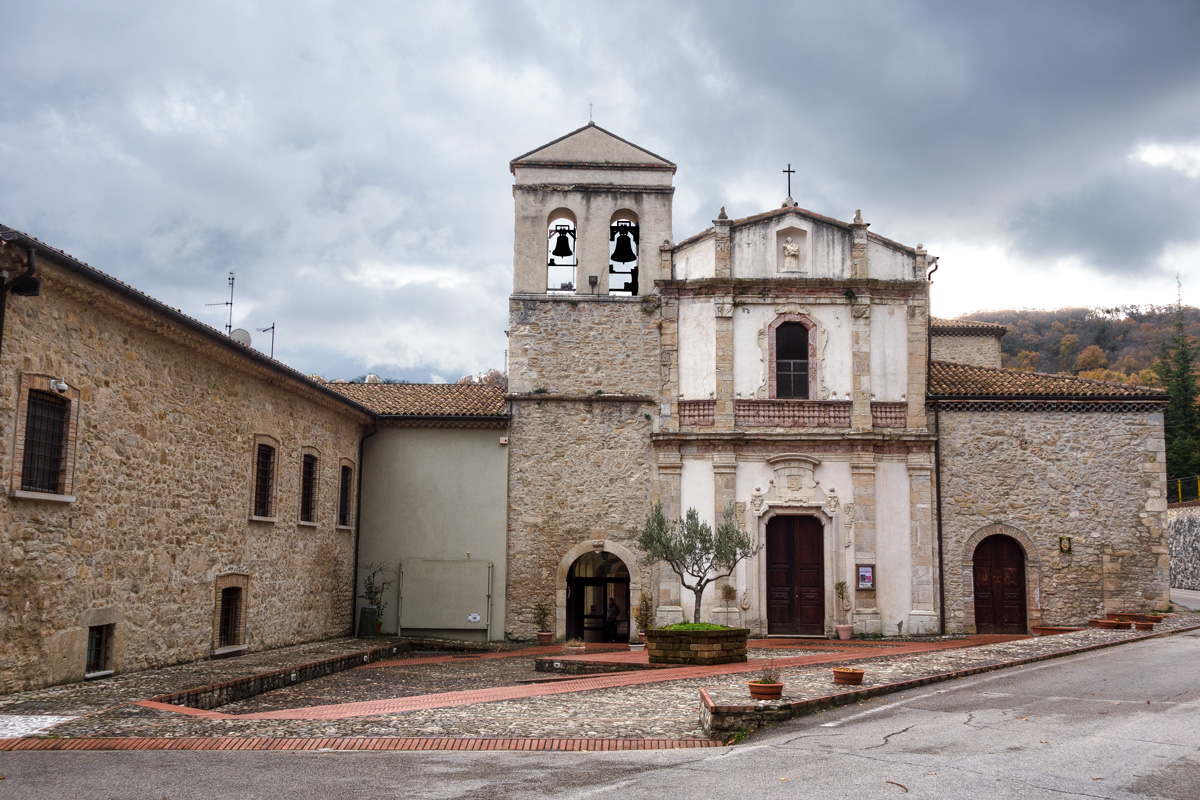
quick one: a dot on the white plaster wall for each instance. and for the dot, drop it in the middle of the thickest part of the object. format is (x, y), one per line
(884, 263)
(749, 352)
(830, 252)
(753, 247)
(696, 261)
(696, 490)
(893, 552)
(834, 364)
(697, 349)
(889, 352)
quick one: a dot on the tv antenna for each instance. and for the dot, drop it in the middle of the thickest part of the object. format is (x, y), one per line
(272, 330)
(229, 302)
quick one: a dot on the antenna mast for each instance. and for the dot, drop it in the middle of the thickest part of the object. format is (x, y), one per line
(229, 302)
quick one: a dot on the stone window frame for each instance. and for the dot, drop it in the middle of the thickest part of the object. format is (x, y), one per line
(314, 501)
(230, 580)
(34, 382)
(345, 521)
(811, 327)
(273, 491)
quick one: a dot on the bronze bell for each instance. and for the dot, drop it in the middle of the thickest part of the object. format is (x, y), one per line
(562, 248)
(623, 252)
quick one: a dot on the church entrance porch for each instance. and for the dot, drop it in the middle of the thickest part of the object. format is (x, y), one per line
(594, 579)
(795, 576)
(999, 575)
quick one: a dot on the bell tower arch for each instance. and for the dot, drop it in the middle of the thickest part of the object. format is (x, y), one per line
(595, 179)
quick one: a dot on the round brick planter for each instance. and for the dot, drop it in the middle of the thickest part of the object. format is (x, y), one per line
(701, 648)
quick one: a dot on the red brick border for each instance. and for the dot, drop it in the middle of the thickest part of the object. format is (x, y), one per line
(401, 743)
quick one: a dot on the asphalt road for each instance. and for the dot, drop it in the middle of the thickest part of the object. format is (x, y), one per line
(1121, 722)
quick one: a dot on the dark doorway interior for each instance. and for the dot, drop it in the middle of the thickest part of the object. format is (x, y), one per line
(999, 586)
(795, 577)
(594, 578)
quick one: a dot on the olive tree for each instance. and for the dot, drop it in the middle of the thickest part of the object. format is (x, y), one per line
(693, 550)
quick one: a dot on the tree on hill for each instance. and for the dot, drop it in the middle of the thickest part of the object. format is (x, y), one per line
(1176, 369)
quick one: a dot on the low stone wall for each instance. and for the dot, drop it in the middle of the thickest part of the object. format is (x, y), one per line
(702, 648)
(1183, 530)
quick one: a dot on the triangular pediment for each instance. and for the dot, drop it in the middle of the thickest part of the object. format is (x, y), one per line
(591, 144)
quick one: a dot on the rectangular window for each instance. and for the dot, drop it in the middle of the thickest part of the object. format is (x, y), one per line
(230, 631)
(791, 361)
(99, 652)
(46, 421)
(308, 488)
(264, 480)
(344, 497)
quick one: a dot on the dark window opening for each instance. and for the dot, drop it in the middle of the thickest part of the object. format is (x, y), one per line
(308, 488)
(561, 258)
(791, 361)
(46, 423)
(99, 652)
(344, 498)
(623, 258)
(264, 475)
(230, 632)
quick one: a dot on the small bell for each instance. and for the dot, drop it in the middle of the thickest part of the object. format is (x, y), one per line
(562, 248)
(623, 252)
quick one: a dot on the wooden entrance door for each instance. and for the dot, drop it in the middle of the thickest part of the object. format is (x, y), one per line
(999, 586)
(795, 577)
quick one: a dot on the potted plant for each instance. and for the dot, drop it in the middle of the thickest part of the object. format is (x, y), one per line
(374, 586)
(844, 630)
(541, 616)
(574, 647)
(769, 683)
(643, 615)
(848, 676)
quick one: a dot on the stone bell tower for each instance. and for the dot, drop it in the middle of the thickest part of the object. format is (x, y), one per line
(592, 235)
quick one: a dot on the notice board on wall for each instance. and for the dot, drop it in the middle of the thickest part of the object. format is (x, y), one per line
(445, 594)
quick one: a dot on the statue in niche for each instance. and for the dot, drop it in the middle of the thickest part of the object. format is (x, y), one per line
(791, 256)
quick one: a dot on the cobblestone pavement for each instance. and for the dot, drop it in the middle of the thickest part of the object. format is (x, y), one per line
(650, 704)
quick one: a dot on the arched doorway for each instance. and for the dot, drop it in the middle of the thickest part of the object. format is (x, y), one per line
(795, 576)
(999, 571)
(594, 579)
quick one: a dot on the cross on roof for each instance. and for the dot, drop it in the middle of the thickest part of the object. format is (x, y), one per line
(790, 172)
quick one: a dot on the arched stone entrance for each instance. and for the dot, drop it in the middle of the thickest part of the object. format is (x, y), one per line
(998, 571)
(588, 575)
(1032, 573)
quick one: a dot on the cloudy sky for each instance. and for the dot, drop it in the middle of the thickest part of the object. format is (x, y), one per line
(350, 160)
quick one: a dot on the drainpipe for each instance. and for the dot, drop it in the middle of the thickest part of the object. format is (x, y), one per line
(937, 455)
(358, 525)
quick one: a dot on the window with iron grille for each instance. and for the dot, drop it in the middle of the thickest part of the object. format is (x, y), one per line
(46, 421)
(344, 497)
(99, 648)
(791, 361)
(308, 488)
(230, 631)
(264, 480)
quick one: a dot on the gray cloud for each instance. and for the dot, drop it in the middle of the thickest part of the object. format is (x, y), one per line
(349, 161)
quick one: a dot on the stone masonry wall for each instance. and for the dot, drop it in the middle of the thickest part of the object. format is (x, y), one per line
(1098, 478)
(579, 470)
(978, 351)
(1183, 522)
(584, 344)
(163, 481)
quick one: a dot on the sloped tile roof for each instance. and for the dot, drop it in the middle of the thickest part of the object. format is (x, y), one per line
(963, 381)
(426, 399)
(939, 326)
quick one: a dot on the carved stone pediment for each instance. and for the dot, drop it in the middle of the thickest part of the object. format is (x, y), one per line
(794, 486)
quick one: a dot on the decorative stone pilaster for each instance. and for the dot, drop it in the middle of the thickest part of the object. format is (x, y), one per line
(721, 230)
(723, 411)
(666, 252)
(862, 471)
(860, 365)
(669, 609)
(918, 357)
(668, 416)
(858, 247)
(923, 546)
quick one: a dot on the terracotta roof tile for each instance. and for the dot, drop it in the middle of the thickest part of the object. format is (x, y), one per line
(426, 399)
(965, 327)
(961, 380)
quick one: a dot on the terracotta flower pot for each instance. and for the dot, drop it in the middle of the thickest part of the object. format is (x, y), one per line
(1144, 626)
(574, 651)
(766, 691)
(848, 676)
(545, 637)
(844, 632)
(1110, 624)
(642, 637)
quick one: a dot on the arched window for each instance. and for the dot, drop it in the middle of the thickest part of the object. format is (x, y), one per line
(561, 258)
(623, 254)
(791, 361)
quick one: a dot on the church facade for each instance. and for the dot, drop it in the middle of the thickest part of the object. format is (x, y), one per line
(780, 365)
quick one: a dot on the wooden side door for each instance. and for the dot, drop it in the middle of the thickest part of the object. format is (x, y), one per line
(999, 577)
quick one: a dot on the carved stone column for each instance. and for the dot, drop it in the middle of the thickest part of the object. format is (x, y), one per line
(862, 471)
(860, 333)
(723, 416)
(724, 492)
(666, 599)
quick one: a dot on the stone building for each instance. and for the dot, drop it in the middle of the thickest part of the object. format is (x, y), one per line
(170, 494)
(780, 364)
